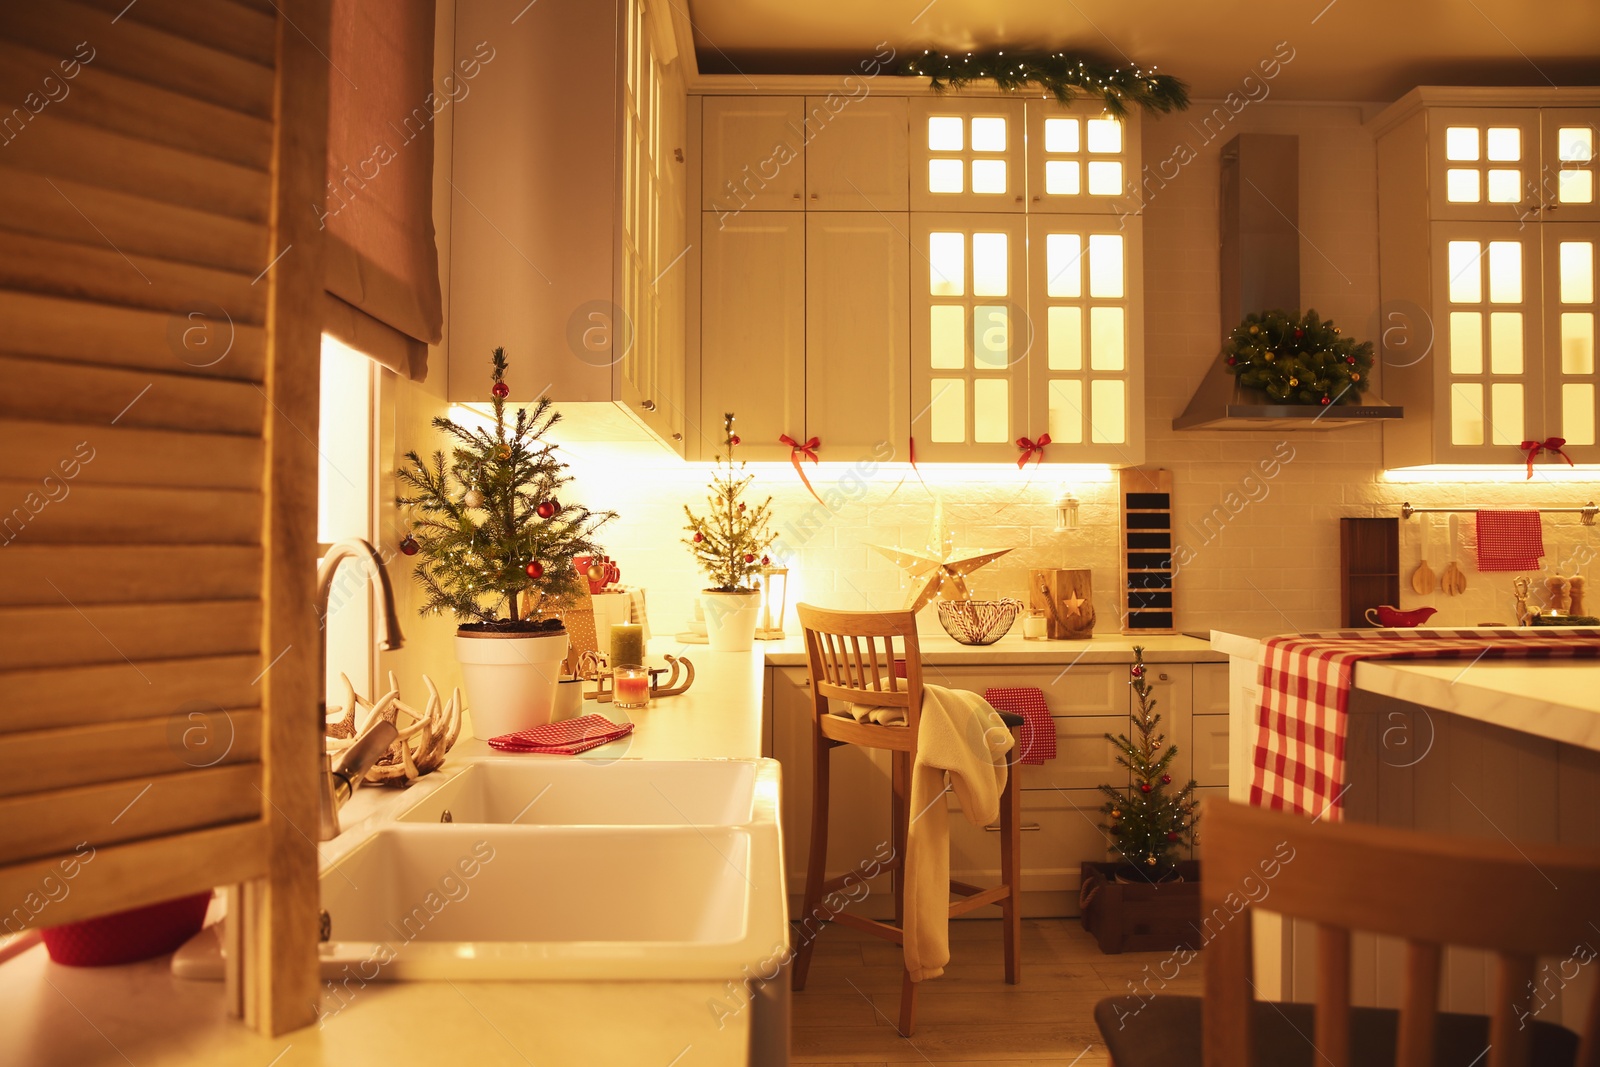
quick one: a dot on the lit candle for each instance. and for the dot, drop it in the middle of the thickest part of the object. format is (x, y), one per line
(630, 686)
(627, 643)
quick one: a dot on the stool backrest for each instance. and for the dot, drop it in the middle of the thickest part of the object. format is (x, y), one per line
(1518, 901)
(851, 657)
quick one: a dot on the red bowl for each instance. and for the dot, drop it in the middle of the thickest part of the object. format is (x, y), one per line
(127, 936)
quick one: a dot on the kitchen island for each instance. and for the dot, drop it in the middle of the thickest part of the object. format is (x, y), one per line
(1501, 749)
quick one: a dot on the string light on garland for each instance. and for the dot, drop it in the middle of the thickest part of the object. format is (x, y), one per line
(1060, 74)
(1298, 358)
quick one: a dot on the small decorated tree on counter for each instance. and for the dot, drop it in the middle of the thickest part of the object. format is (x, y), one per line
(729, 543)
(1298, 358)
(1149, 821)
(497, 546)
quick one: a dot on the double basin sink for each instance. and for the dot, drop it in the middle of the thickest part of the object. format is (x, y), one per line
(520, 868)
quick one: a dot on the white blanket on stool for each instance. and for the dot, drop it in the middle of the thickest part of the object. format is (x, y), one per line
(964, 736)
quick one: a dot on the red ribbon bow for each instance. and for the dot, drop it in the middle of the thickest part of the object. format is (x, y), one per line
(1033, 450)
(796, 452)
(1552, 445)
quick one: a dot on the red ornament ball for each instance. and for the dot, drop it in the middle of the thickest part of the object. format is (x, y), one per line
(501, 390)
(766, 561)
(748, 558)
(1173, 835)
(408, 545)
(1166, 779)
(546, 508)
(741, 507)
(1326, 400)
(554, 503)
(1350, 359)
(536, 569)
(1232, 361)
(698, 537)
(1136, 670)
(1144, 787)
(1299, 333)
(734, 439)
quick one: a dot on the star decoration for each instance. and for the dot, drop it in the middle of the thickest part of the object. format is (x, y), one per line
(1073, 603)
(939, 570)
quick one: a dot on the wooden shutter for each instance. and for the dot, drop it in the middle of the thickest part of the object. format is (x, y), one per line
(160, 288)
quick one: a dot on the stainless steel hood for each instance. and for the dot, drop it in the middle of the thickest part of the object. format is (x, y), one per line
(1260, 261)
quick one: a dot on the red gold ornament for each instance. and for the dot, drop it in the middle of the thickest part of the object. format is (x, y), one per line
(734, 439)
(1144, 787)
(1232, 361)
(503, 453)
(408, 545)
(1326, 400)
(766, 561)
(698, 537)
(741, 506)
(501, 390)
(546, 509)
(536, 569)
(1166, 779)
(1137, 670)
(748, 558)
(596, 572)
(1173, 835)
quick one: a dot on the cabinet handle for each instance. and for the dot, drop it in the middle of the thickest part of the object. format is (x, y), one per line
(677, 155)
(677, 437)
(1019, 199)
(1025, 827)
(648, 405)
(1163, 678)
(797, 196)
(813, 196)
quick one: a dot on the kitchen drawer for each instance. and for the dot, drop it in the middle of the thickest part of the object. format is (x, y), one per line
(1210, 750)
(1061, 830)
(1076, 689)
(1084, 758)
(1211, 689)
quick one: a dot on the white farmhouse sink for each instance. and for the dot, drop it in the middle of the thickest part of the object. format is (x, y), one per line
(530, 902)
(565, 792)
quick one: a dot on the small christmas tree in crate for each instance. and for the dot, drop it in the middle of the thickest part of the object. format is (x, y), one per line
(729, 542)
(497, 549)
(1151, 900)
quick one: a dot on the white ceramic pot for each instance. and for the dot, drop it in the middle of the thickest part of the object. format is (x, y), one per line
(510, 679)
(731, 619)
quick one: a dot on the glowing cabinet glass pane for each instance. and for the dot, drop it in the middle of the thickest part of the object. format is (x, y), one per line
(946, 176)
(991, 327)
(1064, 326)
(947, 411)
(1061, 135)
(1461, 186)
(988, 135)
(1466, 342)
(1577, 342)
(1108, 406)
(1505, 272)
(947, 349)
(1504, 143)
(1104, 135)
(1063, 264)
(989, 264)
(988, 176)
(1062, 177)
(946, 133)
(1105, 265)
(991, 410)
(1107, 338)
(1505, 414)
(1505, 342)
(1577, 272)
(1466, 276)
(1466, 413)
(947, 261)
(1461, 143)
(1066, 411)
(1577, 413)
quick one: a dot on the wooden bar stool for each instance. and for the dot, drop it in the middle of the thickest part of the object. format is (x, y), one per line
(851, 656)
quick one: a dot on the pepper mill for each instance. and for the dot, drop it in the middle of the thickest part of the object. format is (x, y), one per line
(1560, 598)
(1575, 590)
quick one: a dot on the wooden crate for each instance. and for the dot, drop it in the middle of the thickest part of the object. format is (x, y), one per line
(1140, 916)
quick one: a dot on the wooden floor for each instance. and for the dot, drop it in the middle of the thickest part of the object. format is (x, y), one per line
(970, 1016)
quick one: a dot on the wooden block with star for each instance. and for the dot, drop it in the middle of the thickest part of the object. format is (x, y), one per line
(1067, 601)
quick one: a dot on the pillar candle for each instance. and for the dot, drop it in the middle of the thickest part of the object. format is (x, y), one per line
(627, 643)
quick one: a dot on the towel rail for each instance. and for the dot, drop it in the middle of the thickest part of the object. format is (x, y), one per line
(1588, 511)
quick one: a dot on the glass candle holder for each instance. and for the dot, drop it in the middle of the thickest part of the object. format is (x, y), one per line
(1035, 627)
(630, 686)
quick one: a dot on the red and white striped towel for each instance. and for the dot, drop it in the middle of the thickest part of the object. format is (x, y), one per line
(1036, 739)
(566, 738)
(1305, 691)
(1510, 540)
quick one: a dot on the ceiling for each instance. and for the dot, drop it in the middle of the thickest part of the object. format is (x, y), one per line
(1366, 50)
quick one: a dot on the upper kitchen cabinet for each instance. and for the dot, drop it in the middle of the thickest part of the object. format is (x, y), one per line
(1081, 160)
(856, 152)
(567, 239)
(752, 330)
(858, 333)
(1490, 303)
(967, 155)
(753, 157)
(1512, 164)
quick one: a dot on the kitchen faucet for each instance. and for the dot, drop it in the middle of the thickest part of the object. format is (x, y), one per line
(339, 780)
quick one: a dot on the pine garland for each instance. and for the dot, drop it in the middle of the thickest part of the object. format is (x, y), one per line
(1148, 823)
(730, 539)
(1061, 74)
(479, 522)
(1298, 358)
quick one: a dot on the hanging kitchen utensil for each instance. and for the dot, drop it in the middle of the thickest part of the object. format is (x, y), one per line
(1453, 582)
(1422, 579)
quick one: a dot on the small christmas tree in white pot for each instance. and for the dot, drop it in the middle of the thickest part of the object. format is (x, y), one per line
(729, 542)
(497, 552)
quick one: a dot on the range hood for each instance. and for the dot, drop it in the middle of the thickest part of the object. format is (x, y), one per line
(1260, 259)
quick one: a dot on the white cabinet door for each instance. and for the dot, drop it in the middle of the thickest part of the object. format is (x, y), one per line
(970, 337)
(752, 331)
(856, 153)
(858, 335)
(1081, 160)
(1572, 385)
(1084, 367)
(967, 155)
(753, 157)
(1483, 164)
(1569, 139)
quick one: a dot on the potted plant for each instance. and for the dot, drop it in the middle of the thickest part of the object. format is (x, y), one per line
(497, 550)
(1151, 900)
(728, 543)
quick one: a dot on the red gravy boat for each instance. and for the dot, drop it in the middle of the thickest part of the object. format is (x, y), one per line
(1385, 615)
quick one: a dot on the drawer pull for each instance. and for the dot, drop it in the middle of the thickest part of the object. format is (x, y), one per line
(1025, 827)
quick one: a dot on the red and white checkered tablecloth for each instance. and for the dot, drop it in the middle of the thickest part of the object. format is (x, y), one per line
(1036, 738)
(1305, 691)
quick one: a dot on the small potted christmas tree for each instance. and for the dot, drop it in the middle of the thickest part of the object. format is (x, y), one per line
(729, 542)
(1151, 900)
(497, 548)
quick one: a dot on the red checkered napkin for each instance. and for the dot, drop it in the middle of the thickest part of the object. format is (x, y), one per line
(1305, 690)
(566, 738)
(1510, 540)
(1036, 740)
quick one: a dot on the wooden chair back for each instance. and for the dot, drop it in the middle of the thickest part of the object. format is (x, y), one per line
(1517, 901)
(851, 657)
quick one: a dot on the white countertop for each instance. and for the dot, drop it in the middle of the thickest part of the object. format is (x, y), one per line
(1013, 649)
(1557, 700)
